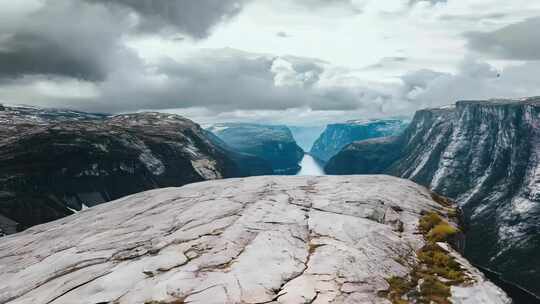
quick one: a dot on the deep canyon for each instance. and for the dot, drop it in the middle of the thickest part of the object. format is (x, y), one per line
(56, 163)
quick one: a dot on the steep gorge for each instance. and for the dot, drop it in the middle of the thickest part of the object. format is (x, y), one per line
(483, 154)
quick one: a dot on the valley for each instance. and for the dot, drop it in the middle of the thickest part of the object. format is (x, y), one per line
(430, 150)
(269, 152)
(310, 166)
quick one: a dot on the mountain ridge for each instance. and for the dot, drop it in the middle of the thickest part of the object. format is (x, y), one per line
(485, 155)
(338, 135)
(273, 143)
(55, 162)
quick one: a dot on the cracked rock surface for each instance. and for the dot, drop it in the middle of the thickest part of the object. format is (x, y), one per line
(256, 240)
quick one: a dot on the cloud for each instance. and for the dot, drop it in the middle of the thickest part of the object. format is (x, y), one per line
(224, 79)
(81, 42)
(473, 17)
(226, 84)
(474, 80)
(218, 79)
(111, 56)
(195, 18)
(388, 62)
(83, 39)
(432, 2)
(341, 7)
(282, 34)
(517, 41)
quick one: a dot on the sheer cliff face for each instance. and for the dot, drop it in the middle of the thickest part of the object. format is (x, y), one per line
(54, 163)
(337, 136)
(259, 240)
(486, 156)
(274, 144)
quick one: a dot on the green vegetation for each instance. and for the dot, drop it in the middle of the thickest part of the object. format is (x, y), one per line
(398, 288)
(431, 279)
(428, 221)
(442, 232)
(432, 290)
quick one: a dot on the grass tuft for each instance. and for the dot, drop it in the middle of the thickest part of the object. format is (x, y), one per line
(428, 221)
(442, 232)
(431, 279)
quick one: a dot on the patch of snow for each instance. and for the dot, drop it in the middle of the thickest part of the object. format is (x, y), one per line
(152, 163)
(126, 168)
(191, 150)
(206, 168)
(509, 232)
(424, 159)
(522, 205)
(448, 106)
(218, 128)
(102, 147)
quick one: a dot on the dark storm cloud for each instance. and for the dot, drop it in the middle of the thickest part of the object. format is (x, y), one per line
(63, 40)
(518, 41)
(25, 53)
(67, 38)
(82, 38)
(224, 79)
(218, 80)
(195, 18)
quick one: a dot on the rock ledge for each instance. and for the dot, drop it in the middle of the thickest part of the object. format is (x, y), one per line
(255, 240)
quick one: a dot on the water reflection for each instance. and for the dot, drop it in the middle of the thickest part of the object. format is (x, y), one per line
(310, 167)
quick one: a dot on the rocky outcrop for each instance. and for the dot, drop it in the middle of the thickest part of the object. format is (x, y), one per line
(485, 155)
(274, 144)
(246, 164)
(370, 156)
(259, 240)
(336, 136)
(54, 163)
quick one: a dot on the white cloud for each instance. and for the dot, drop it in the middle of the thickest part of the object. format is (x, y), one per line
(340, 59)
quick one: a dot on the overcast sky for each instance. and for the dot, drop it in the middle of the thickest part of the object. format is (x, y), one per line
(286, 61)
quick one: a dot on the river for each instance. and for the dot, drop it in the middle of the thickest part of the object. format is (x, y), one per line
(310, 167)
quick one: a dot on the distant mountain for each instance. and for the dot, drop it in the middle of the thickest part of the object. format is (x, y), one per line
(485, 155)
(56, 162)
(337, 136)
(247, 164)
(274, 144)
(306, 136)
